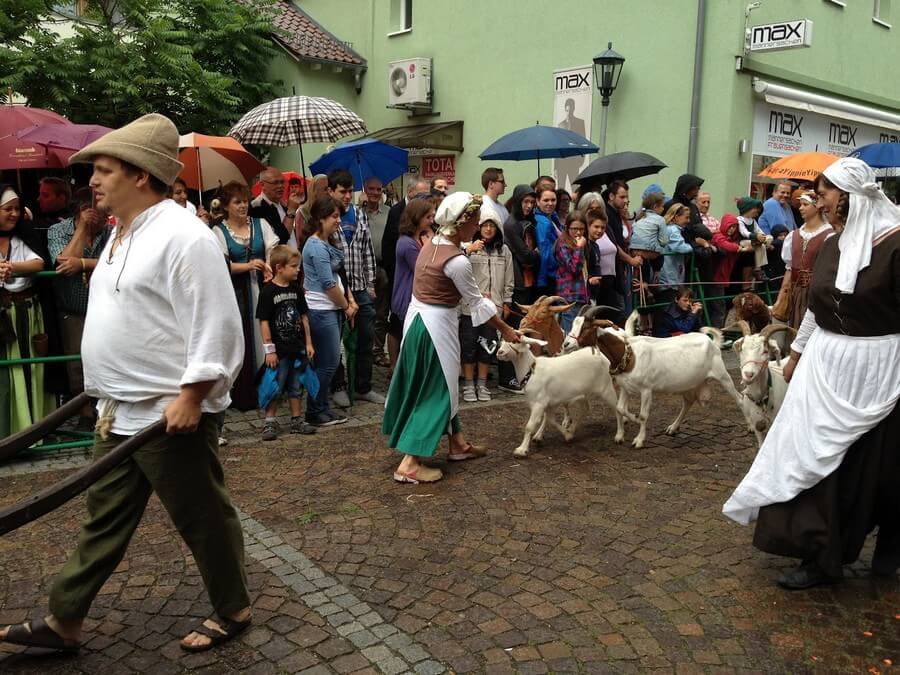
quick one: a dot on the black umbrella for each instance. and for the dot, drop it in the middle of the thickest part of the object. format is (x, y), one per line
(620, 165)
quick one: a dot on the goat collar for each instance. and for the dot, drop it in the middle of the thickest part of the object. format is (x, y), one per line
(625, 363)
(762, 403)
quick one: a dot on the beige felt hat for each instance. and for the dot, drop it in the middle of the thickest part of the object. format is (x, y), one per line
(150, 143)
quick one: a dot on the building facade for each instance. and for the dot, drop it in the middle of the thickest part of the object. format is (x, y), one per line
(500, 66)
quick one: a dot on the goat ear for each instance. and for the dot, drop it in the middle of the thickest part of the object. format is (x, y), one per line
(774, 350)
(737, 345)
(524, 308)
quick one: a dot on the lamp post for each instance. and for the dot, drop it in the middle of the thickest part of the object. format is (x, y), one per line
(607, 70)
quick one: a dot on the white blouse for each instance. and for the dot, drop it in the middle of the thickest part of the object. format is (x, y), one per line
(459, 270)
(19, 252)
(786, 248)
(270, 239)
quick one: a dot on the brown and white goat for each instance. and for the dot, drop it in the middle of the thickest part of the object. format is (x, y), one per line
(751, 308)
(542, 318)
(683, 364)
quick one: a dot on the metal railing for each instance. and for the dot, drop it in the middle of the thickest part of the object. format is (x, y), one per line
(694, 281)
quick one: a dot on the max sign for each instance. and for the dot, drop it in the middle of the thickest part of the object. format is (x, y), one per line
(782, 35)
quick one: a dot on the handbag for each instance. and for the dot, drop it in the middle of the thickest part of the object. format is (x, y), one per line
(782, 302)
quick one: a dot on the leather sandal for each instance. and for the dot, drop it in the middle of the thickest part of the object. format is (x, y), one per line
(38, 634)
(218, 631)
(471, 452)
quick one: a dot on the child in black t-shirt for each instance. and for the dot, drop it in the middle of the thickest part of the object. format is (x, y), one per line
(284, 326)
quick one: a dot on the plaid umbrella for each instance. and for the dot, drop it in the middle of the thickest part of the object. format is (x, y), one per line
(294, 120)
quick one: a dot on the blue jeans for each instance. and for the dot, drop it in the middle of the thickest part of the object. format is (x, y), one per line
(289, 377)
(568, 317)
(325, 330)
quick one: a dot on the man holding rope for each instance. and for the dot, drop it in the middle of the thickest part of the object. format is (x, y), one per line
(162, 339)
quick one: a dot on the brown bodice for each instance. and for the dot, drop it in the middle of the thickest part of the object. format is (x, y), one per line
(430, 284)
(874, 306)
(803, 256)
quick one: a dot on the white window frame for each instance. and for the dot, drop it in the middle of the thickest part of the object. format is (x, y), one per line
(877, 12)
(839, 3)
(405, 19)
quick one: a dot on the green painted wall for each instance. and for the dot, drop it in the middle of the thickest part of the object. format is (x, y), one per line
(495, 72)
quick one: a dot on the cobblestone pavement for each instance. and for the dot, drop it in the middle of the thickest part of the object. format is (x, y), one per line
(586, 557)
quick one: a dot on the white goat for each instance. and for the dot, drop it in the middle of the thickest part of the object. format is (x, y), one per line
(684, 364)
(568, 380)
(761, 374)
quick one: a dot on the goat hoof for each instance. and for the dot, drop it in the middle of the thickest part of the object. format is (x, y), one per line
(619, 439)
(518, 452)
(637, 445)
(670, 431)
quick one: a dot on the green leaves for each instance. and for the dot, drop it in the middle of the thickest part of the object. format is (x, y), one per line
(201, 62)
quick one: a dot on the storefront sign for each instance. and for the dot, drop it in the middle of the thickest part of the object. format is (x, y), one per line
(439, 165)
(573, 95)
(779, 131)
(782, 35)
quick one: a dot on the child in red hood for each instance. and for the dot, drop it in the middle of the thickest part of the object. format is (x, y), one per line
(728, 241)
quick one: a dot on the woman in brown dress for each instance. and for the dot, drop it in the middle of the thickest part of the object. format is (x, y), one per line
(799, 252)
(828, 471)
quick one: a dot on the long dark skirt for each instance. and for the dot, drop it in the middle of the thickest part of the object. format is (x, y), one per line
(243, 392)
(829, 522)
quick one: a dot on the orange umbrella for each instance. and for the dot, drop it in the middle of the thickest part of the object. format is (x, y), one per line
(802, 166)
(211, 161)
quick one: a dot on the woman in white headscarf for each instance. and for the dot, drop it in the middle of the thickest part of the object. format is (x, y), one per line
(23, 399)
(423, 398)
(829, 470)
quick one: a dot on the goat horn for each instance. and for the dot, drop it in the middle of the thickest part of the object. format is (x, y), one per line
(559, 309)
(528, 331)
(524, 308)
(743, 325)
(603, 323)
(775, 328)
(550, 299)
(592, 311)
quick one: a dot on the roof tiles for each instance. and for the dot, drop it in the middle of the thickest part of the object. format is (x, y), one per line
(305, 38)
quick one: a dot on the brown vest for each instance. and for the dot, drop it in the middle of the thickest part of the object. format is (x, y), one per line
(803, 258)
(430, 284)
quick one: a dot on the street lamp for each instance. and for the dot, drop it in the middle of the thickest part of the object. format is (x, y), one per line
(607, 70)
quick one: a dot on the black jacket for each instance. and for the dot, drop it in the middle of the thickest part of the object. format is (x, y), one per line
(260, 208)
(514, 231)
(390, 237)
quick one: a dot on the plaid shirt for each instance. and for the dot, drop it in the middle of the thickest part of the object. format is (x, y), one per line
(359, 255)
(71, 293)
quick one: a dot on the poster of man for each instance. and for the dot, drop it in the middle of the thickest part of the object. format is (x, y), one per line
(573, 89)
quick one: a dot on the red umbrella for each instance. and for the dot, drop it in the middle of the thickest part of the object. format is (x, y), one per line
(63, 136)
(18, 154)
(288, 177)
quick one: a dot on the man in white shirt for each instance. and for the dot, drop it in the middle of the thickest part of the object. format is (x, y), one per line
(162, 340)
(494, 185)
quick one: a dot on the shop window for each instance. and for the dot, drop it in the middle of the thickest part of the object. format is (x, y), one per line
(401, 16)
(75, 8)
(881, 12)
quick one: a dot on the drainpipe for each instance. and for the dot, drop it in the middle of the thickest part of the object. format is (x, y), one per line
(695, 90)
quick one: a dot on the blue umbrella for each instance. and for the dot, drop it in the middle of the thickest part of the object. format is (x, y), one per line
(879, 155)
(365, 159)
(539, 142)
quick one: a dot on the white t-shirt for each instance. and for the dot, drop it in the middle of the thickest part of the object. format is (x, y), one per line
(19, 252)
(495, 209)
(160, 315)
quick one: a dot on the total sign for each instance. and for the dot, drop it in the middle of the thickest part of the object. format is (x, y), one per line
(781, 35)
(439, 165)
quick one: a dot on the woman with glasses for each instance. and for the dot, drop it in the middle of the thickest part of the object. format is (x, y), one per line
(571, 271)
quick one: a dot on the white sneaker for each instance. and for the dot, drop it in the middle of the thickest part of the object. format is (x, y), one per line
(484, 394)
(468, 393)
(372, 397)
(341, 399)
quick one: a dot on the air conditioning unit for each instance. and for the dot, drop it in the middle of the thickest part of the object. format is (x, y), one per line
(409, 83)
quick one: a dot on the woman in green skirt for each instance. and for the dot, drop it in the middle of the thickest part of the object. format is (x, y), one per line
(423, 397)
(23, 400)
